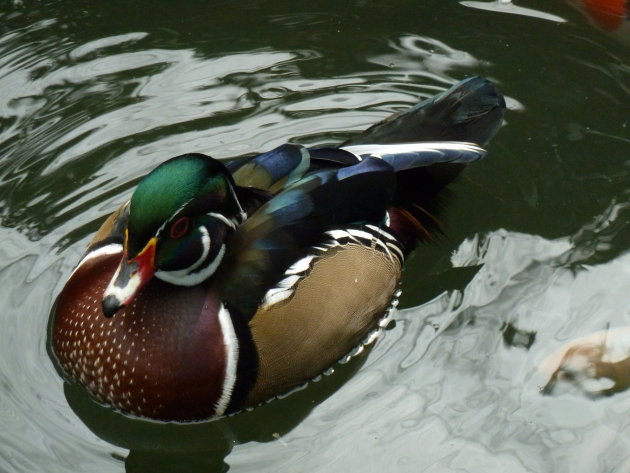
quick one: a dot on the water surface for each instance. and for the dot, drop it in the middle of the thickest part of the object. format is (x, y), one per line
(93, 95)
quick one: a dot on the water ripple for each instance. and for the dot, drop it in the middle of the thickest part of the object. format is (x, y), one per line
(465, 399)
(80, 122)
(26, 377)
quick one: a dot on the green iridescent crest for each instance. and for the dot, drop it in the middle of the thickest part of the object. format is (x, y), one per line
(191, 184)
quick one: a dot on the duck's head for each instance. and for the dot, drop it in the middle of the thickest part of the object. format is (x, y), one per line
(179, 217)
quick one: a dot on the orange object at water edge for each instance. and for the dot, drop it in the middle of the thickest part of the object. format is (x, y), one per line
(607, 14)
(594, 365)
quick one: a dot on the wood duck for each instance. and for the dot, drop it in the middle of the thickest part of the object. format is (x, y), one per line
(219, 286)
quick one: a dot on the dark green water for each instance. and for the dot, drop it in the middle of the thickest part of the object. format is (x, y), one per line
(95, 94)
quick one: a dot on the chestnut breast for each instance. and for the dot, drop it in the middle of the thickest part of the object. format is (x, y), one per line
(163, 356)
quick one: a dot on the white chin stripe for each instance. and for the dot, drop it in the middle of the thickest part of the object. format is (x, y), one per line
(123, 294)
(231, 360)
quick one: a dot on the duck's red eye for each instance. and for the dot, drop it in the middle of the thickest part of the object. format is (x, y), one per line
(180, 227)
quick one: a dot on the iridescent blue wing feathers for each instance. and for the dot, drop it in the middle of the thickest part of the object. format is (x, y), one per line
(272, 170)
(283, 230)
(389, 167)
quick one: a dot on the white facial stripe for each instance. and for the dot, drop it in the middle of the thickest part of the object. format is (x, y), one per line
(243, 215)
(184, 278)
(181, 207)
(205, 242)
(223, 218)
(230, 341)
(111, 249)
(230, 223)
(183, 273)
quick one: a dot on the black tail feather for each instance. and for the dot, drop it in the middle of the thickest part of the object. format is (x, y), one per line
(472, 111)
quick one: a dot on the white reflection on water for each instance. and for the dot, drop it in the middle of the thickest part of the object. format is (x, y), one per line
(436, 57)
(186, 88)
(506, 6)
(444, 391)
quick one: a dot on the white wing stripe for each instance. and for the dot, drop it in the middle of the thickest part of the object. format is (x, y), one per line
(436, 146)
